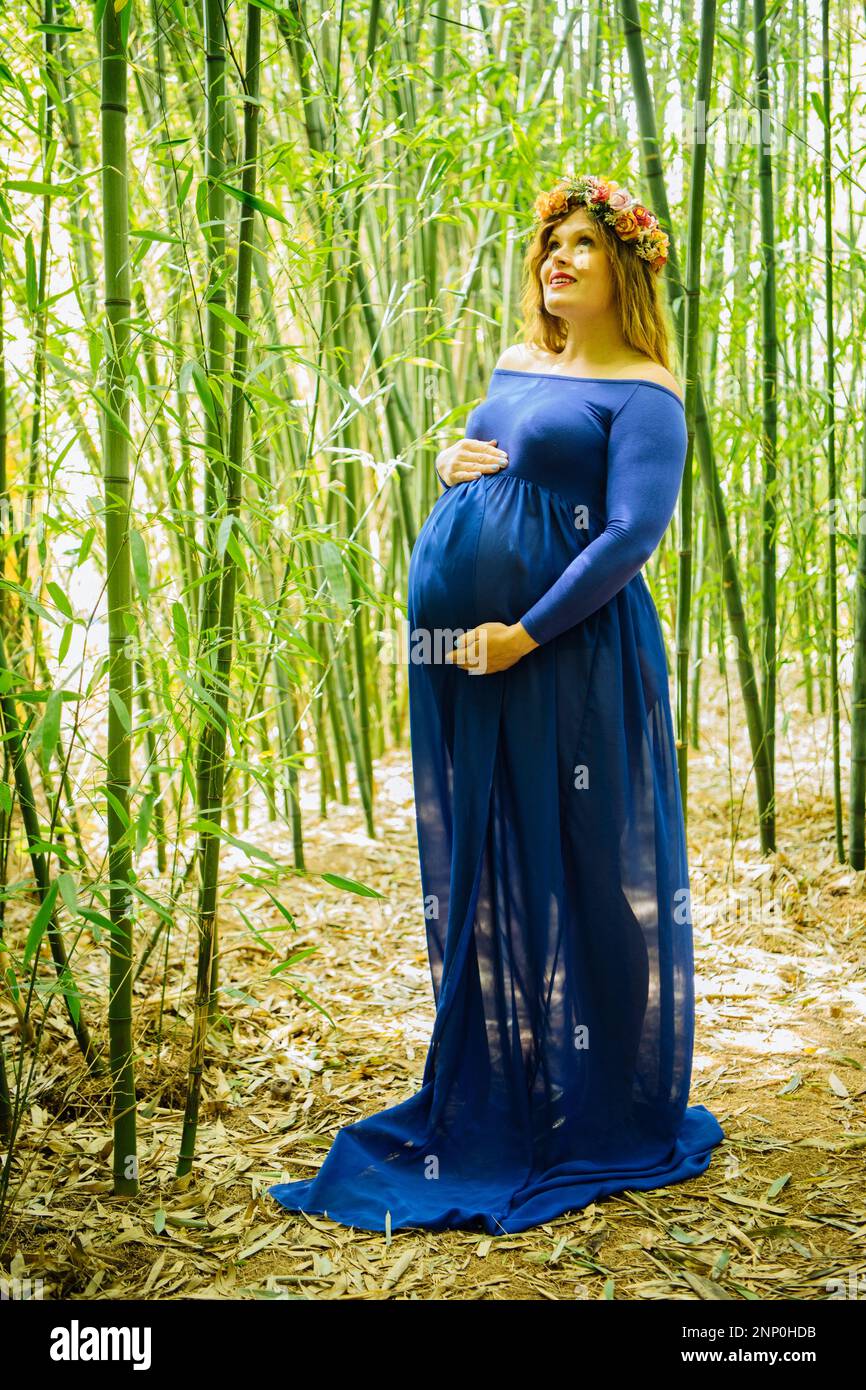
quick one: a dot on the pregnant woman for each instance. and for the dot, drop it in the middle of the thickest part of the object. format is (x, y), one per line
(550, 826)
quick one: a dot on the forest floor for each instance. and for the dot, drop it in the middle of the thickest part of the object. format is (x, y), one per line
(780, 967)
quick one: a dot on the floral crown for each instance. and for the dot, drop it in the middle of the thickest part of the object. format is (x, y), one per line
(606, 201)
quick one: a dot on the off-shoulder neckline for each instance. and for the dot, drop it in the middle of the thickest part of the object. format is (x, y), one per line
(563, 376)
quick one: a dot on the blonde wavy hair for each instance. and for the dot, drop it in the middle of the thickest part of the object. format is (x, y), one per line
(643, 316)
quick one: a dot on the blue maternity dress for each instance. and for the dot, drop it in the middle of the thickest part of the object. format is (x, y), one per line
(550, 835)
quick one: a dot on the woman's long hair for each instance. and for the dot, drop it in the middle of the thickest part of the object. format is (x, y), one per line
(638, 300)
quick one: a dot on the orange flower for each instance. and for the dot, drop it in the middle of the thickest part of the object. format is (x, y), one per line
(626, 226)
(661, 244)
(552, 203)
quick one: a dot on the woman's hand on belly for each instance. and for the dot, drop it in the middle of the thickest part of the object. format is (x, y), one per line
(466, 460)
(491, 647)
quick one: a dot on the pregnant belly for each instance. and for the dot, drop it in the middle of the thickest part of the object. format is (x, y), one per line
(488, 550)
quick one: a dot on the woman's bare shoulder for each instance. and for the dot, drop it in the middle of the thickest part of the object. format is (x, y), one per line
(518, 357)
(654, 371)
(521, 357)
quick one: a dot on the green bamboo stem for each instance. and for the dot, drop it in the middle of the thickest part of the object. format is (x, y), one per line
(691, 356)
(13, 737)
(40, 321)
(152, 763)
(857, 787)
(709, 471)
(769, 385)
(182, 531)
(214, 732)
(118, 496)
(215, 304)
(698, 635)
(5, 1101)
(83, 239)
(830, 421)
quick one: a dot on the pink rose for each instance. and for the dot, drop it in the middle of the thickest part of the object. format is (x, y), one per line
(619, 200)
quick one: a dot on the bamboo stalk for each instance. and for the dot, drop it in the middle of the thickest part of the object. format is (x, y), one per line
(706, 458)
(13, 736)
(769, 386)
(830, 417)
(214, 732)
(691, 357)
(118, 496)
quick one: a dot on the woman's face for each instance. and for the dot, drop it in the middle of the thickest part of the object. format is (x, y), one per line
(576, 250)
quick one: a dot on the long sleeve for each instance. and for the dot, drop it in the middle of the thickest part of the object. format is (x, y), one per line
(646, 455)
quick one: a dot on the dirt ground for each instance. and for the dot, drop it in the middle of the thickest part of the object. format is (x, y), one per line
(779, 1058)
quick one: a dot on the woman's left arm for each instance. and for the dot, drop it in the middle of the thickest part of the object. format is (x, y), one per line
(646, 456)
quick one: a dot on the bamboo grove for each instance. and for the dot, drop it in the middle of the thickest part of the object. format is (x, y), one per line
(257, 261)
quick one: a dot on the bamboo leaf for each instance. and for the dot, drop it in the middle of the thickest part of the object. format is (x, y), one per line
(336, 576)
(66, 885)
(144, 234)
(205, 394)
(140, 566)
(819, 107)
(293, 960)
(39, 923)
(117, 807)
(240, 994)
(31, 293)
(180, 625)
(33, 604)
(776, 1186)
(69, 990)
(86, 546)
(351, 886)
(65, 643)
(60, 599)
(308, 998)
(50, 727)
(155, 906)
(44, 190)
(209, 827)
(223, 534)
(252, 200)
(219, 311)
(145, 816)
(283, 911)
(12, 981)
(51, 847)
(121, 711)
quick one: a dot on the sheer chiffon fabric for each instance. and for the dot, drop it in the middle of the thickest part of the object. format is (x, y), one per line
(550, 835)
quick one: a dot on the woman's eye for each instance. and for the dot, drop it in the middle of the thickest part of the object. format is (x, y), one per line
(553, 245)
